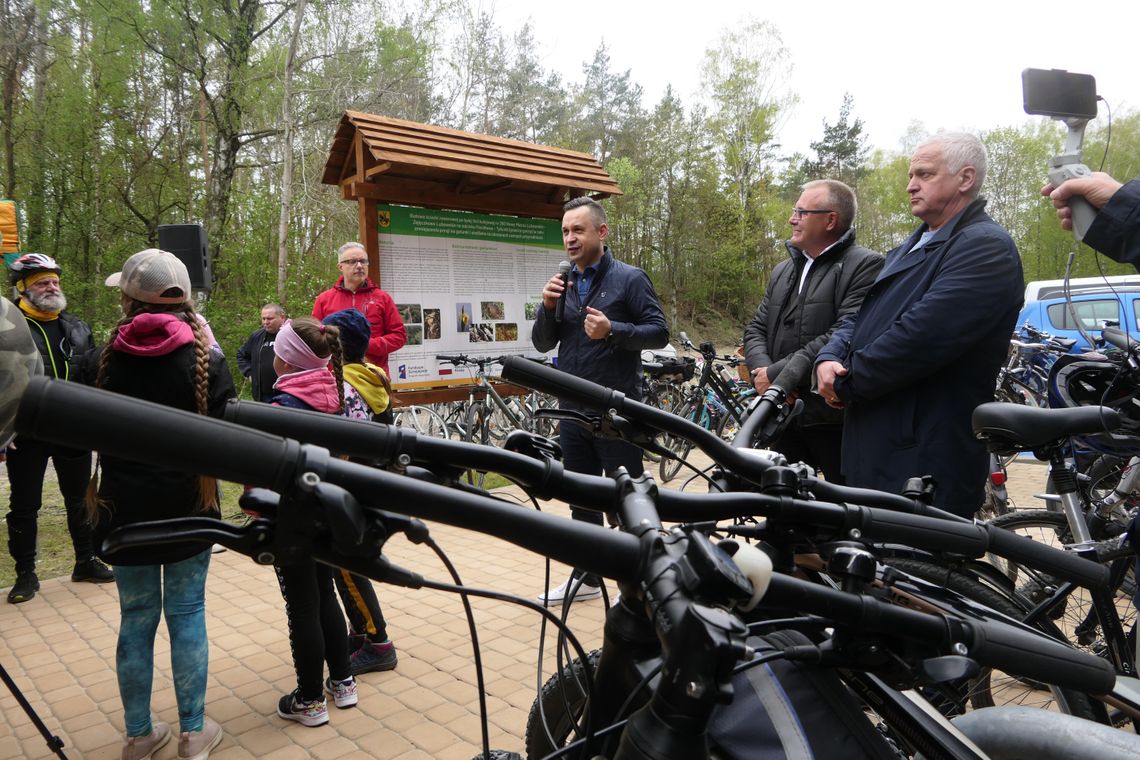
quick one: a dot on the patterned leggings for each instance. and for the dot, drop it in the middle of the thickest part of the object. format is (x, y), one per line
(317, 633)
(145, 593)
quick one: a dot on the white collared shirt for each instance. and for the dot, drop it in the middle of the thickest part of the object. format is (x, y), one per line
(808, 263)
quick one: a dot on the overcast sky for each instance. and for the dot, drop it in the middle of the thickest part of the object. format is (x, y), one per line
(951, 65)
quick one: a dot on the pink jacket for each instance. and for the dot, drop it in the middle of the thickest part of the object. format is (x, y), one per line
(314, 388)
(388, 333)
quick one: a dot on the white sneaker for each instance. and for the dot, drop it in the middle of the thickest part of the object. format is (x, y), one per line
(558, 595)
(342, 692)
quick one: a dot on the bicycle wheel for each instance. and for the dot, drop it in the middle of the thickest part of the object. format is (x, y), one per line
(680, 447)
(423, 420)
(499, 423)
(558, 708)
(454, 415)
(991, 687)
(476, 427)
(672, 398)
(1074, 615)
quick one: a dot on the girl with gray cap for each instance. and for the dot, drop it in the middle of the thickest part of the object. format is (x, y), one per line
(159, 353)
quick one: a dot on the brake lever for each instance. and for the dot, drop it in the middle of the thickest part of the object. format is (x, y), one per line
(254, 540)
(534, 445)
(611, 427)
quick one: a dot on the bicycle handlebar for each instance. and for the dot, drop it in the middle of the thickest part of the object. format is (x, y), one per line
(58, 412)
(1018, 548)
(1120, 339)
(129, 428)
(463, 360)
(1010, 648)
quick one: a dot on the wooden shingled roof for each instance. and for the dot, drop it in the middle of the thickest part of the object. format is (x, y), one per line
(395, 161)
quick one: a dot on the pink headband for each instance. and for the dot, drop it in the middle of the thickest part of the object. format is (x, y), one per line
(290, 349)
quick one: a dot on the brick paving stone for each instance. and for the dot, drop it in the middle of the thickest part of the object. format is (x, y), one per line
(385, 743)
(356, 726)
(332, 748)
(263, 740)
(234, 752)
(238, 724)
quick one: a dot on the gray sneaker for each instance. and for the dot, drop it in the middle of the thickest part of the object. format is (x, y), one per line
(196, 745)
(143, 747)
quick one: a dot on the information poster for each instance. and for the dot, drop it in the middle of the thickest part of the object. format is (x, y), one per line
(464, 283)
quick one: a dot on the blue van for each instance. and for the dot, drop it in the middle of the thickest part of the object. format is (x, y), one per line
(1095, 301)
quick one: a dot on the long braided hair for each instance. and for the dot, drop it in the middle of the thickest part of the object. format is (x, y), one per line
(324, 340)
(207, 486)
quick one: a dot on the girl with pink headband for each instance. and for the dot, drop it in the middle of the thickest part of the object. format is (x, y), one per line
(303, 353)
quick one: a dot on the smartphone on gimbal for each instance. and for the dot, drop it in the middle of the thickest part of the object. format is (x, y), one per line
(1072, 99)
(1058, 94)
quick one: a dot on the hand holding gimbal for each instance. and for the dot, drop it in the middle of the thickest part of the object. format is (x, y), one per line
(1070, 98)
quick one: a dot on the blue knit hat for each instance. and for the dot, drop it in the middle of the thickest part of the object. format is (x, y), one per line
(355, 332)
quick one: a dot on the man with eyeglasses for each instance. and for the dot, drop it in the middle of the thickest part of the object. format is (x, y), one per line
(820, 284)
(925, 347)
(354, 290)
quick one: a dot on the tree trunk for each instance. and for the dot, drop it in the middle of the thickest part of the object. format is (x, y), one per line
(287, 162)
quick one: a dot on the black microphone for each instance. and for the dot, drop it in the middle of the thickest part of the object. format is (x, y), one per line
(564, 270)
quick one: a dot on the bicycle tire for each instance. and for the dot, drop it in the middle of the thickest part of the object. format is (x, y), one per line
(679, 447)
(988, 689)
(543, 426)
(475, 424)
(424, 420)
(1074, 618)
(558, 707)
(499, 423)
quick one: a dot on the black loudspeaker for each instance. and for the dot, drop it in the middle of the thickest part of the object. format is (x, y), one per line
(188, 243)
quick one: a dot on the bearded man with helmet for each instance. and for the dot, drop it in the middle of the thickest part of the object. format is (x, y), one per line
(61, 338)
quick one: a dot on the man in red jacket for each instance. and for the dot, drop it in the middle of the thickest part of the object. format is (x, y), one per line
(355, 291)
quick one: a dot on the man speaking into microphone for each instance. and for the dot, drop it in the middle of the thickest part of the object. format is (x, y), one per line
(609, 314)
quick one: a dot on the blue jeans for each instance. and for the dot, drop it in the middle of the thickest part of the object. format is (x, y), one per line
(145, 593)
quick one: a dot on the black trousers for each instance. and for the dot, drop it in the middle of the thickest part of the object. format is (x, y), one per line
(361, 605)
(816, 445)
(27, 464)
(581, 452)
(317, 633)
(356, 592)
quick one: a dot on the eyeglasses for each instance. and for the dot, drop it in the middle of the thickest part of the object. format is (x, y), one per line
(801, 212)
(355, 262)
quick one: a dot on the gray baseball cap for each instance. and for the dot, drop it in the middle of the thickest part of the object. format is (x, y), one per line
(154, 276)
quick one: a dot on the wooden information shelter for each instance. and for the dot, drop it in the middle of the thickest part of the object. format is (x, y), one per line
(378, 159)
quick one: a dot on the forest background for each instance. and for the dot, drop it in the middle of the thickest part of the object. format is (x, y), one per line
(119, 116)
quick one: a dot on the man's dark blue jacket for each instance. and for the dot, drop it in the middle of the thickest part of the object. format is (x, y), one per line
(1115, 231)
(922, 352)
(626, 296)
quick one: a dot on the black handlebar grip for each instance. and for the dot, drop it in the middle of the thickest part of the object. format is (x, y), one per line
(1047, 559)
(1036, 656)
(930, 533)
(75, 415)
(1119, 338)
(355, 438)
(517, 369)
(765, 407)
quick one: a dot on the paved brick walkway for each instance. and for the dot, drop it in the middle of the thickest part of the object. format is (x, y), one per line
(59, 648)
